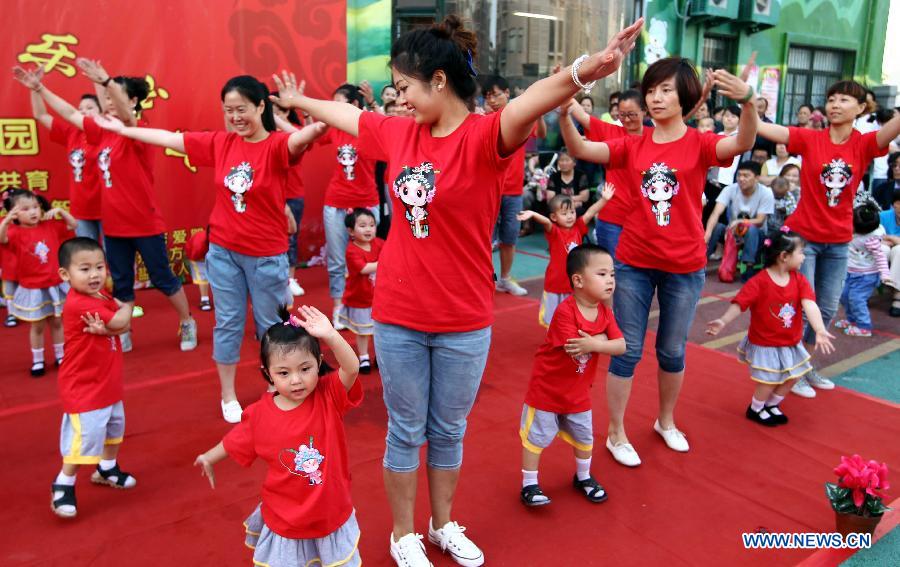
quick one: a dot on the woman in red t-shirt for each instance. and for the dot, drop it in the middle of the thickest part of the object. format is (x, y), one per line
(433, 305)
(247, 227)
(661, 250)
(834, 162)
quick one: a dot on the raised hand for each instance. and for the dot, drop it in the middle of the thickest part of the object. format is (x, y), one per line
(93, 324)
(315, 322)
(206, 469)
(92, 69)
(745, 73)
(366, 90)
(730, 86)
(608, 191)
(31, 79)
(14, 213)
(606, 62)
(289, 91)
(51, 214)
(524, 215)
(110, 123)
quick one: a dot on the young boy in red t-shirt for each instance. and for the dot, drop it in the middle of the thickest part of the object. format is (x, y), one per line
(558, 401)
(90, 380)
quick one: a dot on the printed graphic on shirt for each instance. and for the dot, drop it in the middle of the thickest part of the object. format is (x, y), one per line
(836, 176)
(415, 188)
(306, 462)
(42, 251)
(76, 160)
(103, 162)
(582, 361)
(239, 180)
(784, 313)
(346, 156)
(571, 246)
(659, 184)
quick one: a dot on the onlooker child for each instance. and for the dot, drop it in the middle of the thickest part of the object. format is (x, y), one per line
(785, 203)
(195, 250)
(362, 262)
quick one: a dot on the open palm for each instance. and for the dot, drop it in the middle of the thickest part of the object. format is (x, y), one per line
(606, 62)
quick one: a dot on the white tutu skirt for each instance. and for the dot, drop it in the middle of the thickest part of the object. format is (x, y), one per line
(37, 304)
(774, 365)
(340, 547)
(357, 319)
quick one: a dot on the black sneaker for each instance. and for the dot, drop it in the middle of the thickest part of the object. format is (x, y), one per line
(365, 367)
(777, 415)
(762, 417)
(37, 370)
(11, 321)
(532, 495)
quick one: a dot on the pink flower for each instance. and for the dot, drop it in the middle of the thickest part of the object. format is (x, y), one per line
(862, 478)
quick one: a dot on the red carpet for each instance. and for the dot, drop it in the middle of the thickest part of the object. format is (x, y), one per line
(681, 509)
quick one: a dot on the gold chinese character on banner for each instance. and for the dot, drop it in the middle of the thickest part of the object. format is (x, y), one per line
(52, 53)
(10, 179)
(196, 230)
(176, 260)
(187, 162)
(155, 92)
(18, 137)
(60, 204)
(37, 179)
(179, 236)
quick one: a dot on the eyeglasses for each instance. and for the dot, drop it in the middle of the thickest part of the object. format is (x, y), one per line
(629, 115)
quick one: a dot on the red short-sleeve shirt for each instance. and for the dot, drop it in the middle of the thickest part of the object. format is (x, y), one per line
(776, 313)
(84, 182)
(664, 230)
(353, 183)
(514, 182)
(561, 383)
(360, 289)
(91, 375)
(435, 273)
(829, 180)
(36, 249)
(306, 493)
(561, 242)
(618, 209)
(294, 188)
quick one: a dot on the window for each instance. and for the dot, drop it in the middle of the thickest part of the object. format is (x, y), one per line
(811, 70)
(718, 53)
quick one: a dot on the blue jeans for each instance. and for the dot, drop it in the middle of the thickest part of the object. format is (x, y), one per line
(749, 248)
(336, 240)
(233, 276)
(430, 383)
(508, 225)
(855, 298)
(120, 256)
(296, 206)
(825, 267)
(677, 294)
(90, 229)
(608, 236)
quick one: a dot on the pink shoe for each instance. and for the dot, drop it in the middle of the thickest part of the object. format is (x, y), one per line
(841, 324)
(854, 331)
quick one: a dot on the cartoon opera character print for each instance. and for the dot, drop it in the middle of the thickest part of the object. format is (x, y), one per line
(239, 180)
(76, 160)
(659, 184)
(835, 176)
(415, 188)
(42, 251)
(582, 361)
(346, 156)
(104, 160)
(786, 314)
(307, 460)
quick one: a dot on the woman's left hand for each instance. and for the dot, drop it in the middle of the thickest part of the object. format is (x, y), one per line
(606, 62)
(731, 87)
(289, 90)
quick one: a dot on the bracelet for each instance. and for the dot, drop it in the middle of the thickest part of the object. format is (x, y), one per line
(748, 96)
(586, 87)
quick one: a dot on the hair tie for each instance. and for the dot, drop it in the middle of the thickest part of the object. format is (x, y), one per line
(767, 242)
(784, 228)
(470, 64)
(293, 321)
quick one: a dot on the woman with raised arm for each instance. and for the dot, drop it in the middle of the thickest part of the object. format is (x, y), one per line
(248, 228)
(433, 305)
(834, 162)
(661, 250)
(131, 218)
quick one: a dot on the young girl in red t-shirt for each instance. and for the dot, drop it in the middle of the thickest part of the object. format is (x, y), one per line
(564, 232)
(8, 271)
(41, 293)
(306, 515)
(362, 261)
(773, 347)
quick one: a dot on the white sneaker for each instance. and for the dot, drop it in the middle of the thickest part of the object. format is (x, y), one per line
(295, 288)
(336, 322)
(188, 332)
(451, 539)
(802, 388)
(232, 411)
(509, 285)
(624, 453)
(409, 551)
(818, 381)
(675, 439)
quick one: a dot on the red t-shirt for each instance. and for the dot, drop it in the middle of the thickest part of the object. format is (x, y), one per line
(310, 498)
(125, 175)
(353, 183)
(360, 289)
(618, 209)
(561, 383)
(36, 248)
(664, 229)
(829, 179)
(248, 214)
(514, 184)
(561, 241)
(435, 274)
(8, 262)
(84, 183)
(294, 187)
(90, 377)
(776, 315)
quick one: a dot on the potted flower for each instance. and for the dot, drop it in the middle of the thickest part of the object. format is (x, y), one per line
(857, 497)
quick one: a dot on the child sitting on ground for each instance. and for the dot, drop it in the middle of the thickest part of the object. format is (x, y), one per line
(362, 261)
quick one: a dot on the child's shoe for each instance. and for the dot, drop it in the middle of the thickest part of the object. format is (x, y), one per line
(451, 539)
(777, 415)
(762, 417)
(841, 324)
(336, 320)
(295, 288)
(37, 370)
(854, 331)
(62, 500)
(205, 305)
(590, 488)
(365, 367)
(113, 477)
(532, 495)
(188, 332)
(409, 551)
(11, 321)
(58, 362)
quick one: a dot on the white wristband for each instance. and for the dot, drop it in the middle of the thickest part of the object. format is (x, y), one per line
(586, 87)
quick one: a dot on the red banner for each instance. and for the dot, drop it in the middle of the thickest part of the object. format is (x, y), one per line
(186, 51)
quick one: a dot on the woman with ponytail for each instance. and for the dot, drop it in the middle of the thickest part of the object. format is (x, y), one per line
(433, 305)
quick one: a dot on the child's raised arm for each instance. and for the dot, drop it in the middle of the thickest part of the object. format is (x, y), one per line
(208, 459)
(70, 221)
(4, 224)
(586, 343)
(606, 194)
(541, 219)
(715, 326)
(319, 326)
(814, 316)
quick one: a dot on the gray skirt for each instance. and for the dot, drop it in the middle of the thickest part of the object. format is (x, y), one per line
(774, 365)
(340, 547)
(37, 304)
(357, 319)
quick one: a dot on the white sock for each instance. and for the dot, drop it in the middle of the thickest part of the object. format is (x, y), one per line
(204, 298)
(529, 478)
(37, 356)
(774, 400)
(63, 478)
(583, 468)
(757, 405)
(363, 357)
(58, 350)
(106, 465)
